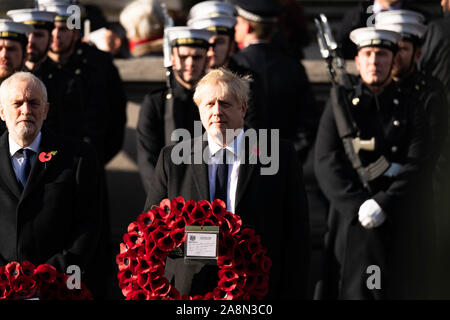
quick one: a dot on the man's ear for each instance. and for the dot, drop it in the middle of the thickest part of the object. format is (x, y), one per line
(2, 113)
(244, 109)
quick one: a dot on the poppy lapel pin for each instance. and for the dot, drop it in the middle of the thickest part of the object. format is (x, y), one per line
(46, 157)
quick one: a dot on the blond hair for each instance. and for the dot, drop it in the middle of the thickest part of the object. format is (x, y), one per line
(143, 19)
(229, 82)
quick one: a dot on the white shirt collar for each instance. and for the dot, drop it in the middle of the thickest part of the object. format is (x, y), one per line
(234, 147)
(14, 147)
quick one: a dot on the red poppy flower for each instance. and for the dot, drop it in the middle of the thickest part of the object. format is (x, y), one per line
(227, 285)
(157, 255)
(178, 236)
(166, 243)
(160, 286)
(206, 206)
(133, 239)
(165, 205)
(178, 223)
(228, 274)
(219, 208)
(177, 205)
(133, 228)
(187, 210)
(197, 215)
(145, 220)
(44, 156)
(27, 268)
(45, 273)
(137, 295)
(13, 270)
(173, 294)
(127, 281)
(220, 294)
(156, 272)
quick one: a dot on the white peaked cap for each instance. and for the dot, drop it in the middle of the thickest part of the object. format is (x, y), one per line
(211, 9)
(212, 23)
(374, 37)
(189, 36)
(11, 29)
(402, 21)
(29, 15)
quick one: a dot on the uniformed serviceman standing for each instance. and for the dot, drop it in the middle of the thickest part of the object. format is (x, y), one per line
(172, 108)
(377, 239)
(64, 91)
(104, 95)
(13, 43)
(425, 88)
(289, 99)
(220, 17)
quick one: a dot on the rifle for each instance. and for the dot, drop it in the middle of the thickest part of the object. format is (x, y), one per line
(169, 123)
(347, 128)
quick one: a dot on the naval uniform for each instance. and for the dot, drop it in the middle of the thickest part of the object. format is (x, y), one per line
(289, 100)
(151, 128)
(399, 246)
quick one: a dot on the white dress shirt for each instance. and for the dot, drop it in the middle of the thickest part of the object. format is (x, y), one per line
(215, 157)
(17, 158)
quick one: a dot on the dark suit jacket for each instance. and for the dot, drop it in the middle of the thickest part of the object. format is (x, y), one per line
(56, 218)
(274, 205)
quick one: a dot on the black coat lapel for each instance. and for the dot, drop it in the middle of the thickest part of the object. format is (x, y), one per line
(200, 169)
(7, 172)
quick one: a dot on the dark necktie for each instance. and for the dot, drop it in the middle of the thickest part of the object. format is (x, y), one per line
(222, 179)
(26, 166)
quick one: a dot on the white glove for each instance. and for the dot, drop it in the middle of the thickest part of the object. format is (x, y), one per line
(393, 170)
(370, 214)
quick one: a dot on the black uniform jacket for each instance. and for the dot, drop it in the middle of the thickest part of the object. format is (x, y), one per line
(151, 136)
(288, 97)
(274, 205)
(398, 125)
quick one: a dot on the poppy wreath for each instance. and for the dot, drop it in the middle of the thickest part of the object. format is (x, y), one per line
(23, 280)
(243, 264)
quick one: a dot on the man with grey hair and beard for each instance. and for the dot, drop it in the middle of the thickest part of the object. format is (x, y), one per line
(49, 185)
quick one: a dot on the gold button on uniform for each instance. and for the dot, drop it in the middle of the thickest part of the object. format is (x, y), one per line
(396, 101)
(396, 123)
(394, 149)
(168, 96)
(355, 101)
